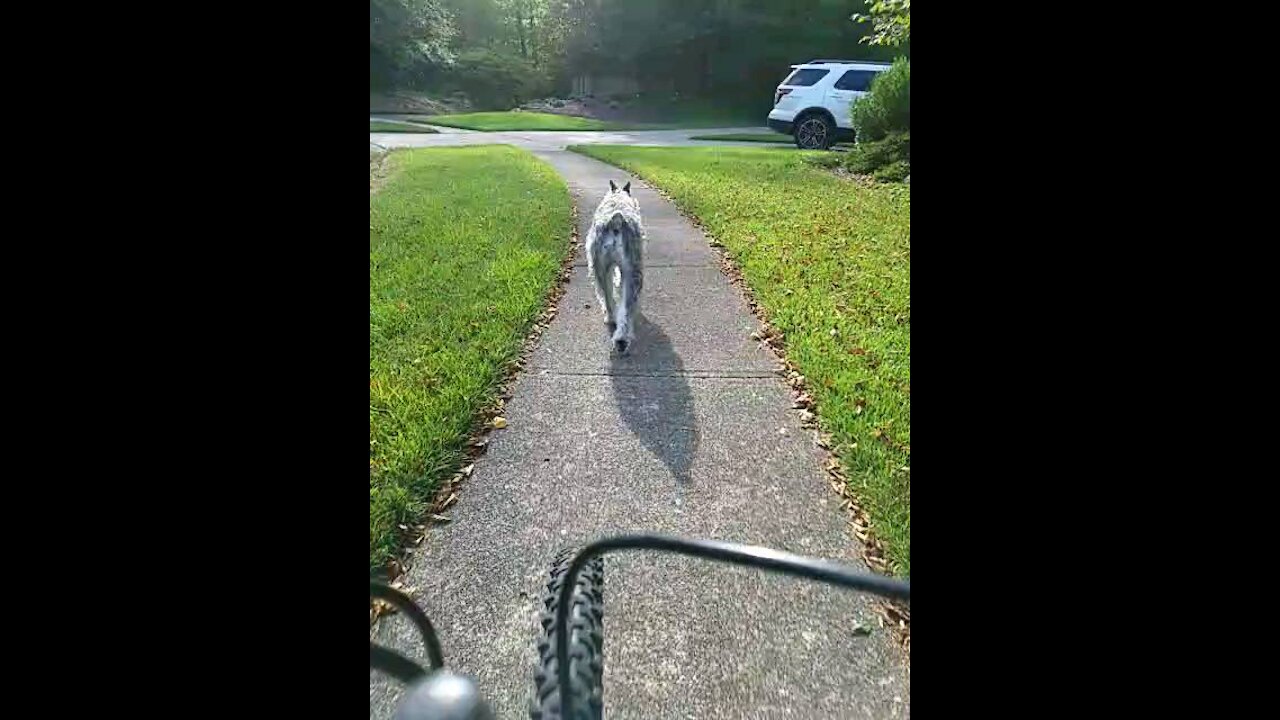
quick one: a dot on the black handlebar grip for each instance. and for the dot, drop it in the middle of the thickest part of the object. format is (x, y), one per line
(443, 695)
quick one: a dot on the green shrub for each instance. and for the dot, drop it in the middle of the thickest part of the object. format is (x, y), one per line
(824, 160)
(873, 157)
(494, 80)
(896, 171)
(887, 107)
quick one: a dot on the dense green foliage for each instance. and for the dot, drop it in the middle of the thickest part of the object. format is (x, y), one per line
(882, 123)
(890, 22)
(887, 108)
(406, 39)
(887, 159)
(732, 52)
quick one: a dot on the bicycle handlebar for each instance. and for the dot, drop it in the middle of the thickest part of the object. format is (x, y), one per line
(734, 553)
(446, 696)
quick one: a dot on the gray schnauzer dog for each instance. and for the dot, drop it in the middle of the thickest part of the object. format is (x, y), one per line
(615, 261)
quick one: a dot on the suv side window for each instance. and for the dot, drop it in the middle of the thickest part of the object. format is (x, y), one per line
(859, 80)
(805, 77)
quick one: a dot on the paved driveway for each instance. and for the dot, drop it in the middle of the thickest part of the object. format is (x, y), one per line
(556, 140)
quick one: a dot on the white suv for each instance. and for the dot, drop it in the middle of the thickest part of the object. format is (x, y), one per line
(812, 104)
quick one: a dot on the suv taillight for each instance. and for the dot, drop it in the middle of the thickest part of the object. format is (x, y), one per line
(778, 96)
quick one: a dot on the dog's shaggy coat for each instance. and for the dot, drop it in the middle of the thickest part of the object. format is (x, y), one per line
(615, 261)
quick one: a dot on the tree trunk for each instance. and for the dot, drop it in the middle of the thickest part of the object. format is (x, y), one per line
(524, 48)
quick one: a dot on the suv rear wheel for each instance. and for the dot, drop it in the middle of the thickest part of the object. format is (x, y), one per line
(815, 132)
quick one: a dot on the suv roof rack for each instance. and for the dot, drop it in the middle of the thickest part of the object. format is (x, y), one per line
(847, 62)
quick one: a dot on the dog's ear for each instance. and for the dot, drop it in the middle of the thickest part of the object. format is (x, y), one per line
(612, 187)
(627, 188)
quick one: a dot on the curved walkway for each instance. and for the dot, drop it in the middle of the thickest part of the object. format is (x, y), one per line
(691, 435)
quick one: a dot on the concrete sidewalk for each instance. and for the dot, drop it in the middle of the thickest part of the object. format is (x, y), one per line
(691, 435)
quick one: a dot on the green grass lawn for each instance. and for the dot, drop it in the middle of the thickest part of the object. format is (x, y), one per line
(829, 260)
(774, 138)
(414, 118)
(678, 117)
(500, 121)
(395, 127)
(453, 288)
(699, 114)
(769, 137)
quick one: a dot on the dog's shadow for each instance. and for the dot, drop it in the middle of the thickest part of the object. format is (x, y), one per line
(654, 398)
